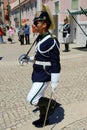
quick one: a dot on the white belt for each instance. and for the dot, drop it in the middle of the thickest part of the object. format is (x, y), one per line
(42, 63)
(65, 31)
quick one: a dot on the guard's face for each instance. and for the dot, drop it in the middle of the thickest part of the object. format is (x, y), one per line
(65, 21)
(40, 25)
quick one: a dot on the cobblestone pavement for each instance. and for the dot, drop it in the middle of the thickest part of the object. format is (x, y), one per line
(15, 82)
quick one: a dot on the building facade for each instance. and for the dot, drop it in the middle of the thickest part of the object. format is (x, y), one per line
(24, 10)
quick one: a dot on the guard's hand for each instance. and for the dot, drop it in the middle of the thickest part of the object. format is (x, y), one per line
(54, 86)
(24, 59)
(68, 35)
(54, 80)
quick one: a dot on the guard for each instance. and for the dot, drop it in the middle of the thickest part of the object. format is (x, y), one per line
(66, 34)
(46, 65)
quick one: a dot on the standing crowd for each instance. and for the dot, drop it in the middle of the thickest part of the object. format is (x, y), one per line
(6, 31)
(24, 32)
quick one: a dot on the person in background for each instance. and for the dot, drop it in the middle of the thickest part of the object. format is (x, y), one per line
(11, 33)
(18, 31)
(66, 34)
(1, 34)
(21, 35)
(27, 34)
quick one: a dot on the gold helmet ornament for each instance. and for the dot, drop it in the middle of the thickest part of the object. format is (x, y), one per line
(45, 15)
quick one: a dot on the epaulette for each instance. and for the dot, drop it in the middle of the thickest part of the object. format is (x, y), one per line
(54, 37)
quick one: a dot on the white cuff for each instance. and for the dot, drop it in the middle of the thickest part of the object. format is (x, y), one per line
(55, 77)
(31, 59)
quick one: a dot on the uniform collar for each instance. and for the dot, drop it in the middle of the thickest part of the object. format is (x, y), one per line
(44, 34)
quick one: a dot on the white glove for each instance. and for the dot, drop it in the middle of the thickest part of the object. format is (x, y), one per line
(23, 59)
(54, 85)
(68, 35)
(31, 59)
(54, 80)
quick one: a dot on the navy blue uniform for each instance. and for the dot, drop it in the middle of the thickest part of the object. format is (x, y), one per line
(47, 50)
(66, 29)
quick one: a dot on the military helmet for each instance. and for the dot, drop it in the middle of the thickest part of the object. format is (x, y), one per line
(45, 15)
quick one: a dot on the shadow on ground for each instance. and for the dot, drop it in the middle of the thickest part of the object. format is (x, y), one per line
(57, 116)
(81, 48)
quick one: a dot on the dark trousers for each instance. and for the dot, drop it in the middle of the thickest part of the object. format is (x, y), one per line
(67, 46)
(22, 39)
(27, 39)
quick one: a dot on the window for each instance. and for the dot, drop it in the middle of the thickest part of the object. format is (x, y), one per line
(56, 7)
(74, 5)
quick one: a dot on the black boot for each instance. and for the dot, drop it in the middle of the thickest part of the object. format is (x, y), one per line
(40, 122)
(53, 106)
(66, 47)
(43, 103)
